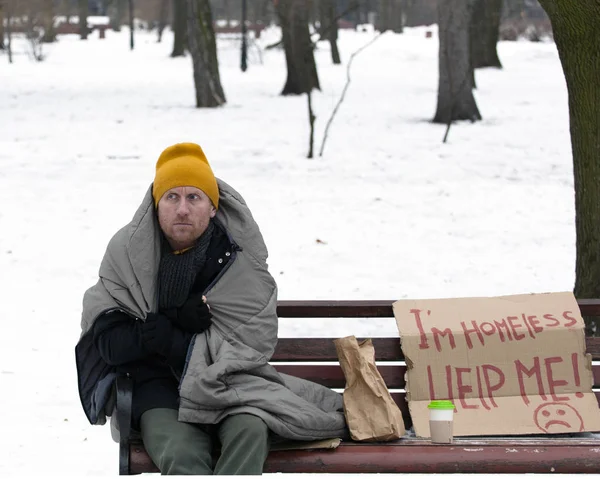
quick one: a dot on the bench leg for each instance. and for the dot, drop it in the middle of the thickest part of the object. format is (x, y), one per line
(124, 462)
(124, 401)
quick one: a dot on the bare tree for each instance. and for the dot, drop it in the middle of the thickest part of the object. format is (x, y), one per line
(455, 87)
(311, 124)
(163, 18)
(131, 25)
(67, 8)
(329, 27)
(83, 14)
(227, 9)
(34, 14)
(117, 11)
(2, 31)
(390, 16)
(420, 12)
(9, 8)
(49, 35)
(203, 48)
(577, 37)
(254, 11)
(179, 28)
(484, 32)
(302, 74)
(265, 12)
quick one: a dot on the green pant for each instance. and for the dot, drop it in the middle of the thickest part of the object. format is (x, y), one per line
(182, 448)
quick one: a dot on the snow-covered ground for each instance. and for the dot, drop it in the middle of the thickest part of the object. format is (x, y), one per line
(388, 212)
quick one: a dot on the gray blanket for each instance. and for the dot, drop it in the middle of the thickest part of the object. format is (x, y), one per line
(227, 370)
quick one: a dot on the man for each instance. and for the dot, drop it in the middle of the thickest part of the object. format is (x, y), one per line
(186, 307)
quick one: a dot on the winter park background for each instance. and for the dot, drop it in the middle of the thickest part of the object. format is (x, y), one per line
(389, 211)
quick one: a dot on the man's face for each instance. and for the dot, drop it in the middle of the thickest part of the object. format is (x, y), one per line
(183, 214)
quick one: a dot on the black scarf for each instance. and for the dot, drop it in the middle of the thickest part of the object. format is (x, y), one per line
(177, 271)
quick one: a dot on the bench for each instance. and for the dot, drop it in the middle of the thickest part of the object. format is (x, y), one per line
(515, 454)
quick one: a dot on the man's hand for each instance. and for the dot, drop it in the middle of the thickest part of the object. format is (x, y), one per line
(194, 316)
(157, 334)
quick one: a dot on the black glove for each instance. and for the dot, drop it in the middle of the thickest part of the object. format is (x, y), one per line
(157, 334)
(194, 316)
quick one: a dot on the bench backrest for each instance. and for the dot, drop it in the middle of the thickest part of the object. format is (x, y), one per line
(319, 350)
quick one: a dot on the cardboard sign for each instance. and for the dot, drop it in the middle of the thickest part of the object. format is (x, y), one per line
(511, 364)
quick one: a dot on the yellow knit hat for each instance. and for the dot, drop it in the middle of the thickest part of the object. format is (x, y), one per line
(184, 164)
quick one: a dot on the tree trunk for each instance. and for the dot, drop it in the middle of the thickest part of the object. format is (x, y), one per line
(419, 12)
(9, 34)
(329, 27)
(227, 9)
(485, 25)
(397, 17)
(131, 25)
(302, 74)
(48, 19)
(83, 14)
(382, 21)
(203, 47)
(244, 25)
(252, 12)
(393, 13)
(2, 33)
(67, 7)
(312, 7)
(117, 14)
(179, 28)
(311, 122)
(455, 87)
(389, 16)
(577, 37)
(265, 15)
(163, 18)
(322, 16)
(362, 13)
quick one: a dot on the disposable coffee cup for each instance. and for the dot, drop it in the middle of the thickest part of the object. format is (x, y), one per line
(441, 420)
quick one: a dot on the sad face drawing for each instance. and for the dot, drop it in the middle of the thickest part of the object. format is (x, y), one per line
(557, 417)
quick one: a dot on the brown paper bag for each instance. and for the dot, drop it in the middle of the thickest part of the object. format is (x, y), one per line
(371, 413)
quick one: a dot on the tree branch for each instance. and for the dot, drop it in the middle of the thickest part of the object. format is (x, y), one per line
(337, 106)
(323, 32)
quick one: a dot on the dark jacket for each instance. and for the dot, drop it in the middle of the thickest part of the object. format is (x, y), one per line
(156, 379)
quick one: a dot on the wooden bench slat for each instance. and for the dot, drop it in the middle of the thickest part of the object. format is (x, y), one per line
(428, 458)
(323, 349)
(423, 457)
(386, 349)
(400, 399)
(332, 376)
(373, 309)
(335, 309)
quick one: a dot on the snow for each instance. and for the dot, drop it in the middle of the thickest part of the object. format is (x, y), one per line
(388, 212)
(92, 20)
